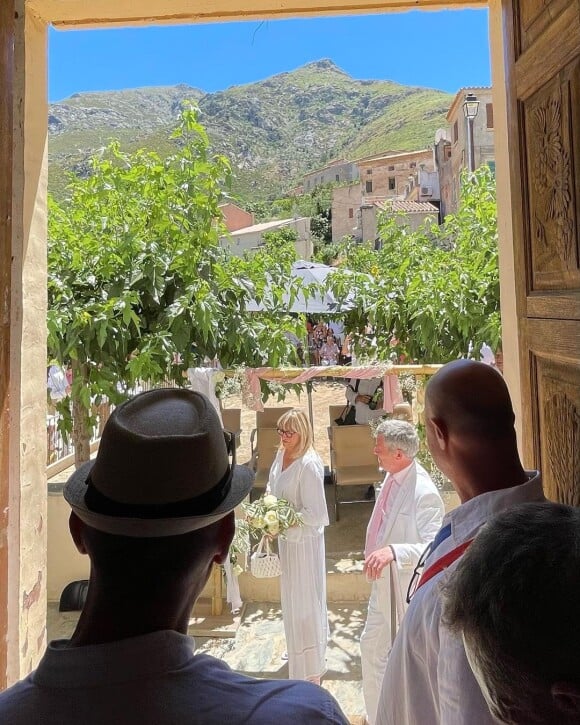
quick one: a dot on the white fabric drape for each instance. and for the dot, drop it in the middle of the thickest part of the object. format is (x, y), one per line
(203, 380)
(233, 596)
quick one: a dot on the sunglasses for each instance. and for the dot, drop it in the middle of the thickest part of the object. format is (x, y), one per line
(414, 583)
(285, 433)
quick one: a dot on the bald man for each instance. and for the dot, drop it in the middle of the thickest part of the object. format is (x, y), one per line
(470, 432)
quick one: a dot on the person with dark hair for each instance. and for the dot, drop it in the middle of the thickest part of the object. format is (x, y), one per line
(514, 600)
(469, 423)
(329, 351)
(154, 513)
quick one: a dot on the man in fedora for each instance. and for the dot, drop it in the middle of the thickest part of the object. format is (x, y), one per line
(154, 512)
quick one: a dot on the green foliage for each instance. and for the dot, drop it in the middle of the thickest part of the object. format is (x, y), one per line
(433, 293)
(280, 245)
(342, 252)
(316, 202)
(321, 229)
(138, 281)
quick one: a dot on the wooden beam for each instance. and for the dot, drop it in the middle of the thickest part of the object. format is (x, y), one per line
(342, 371)
(100, 13)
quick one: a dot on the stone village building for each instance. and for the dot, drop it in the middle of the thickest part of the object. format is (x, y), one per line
(234, 217)
(427, 176)
(411, 214)
(535, 59)
(337, 172)
(249, 239)
(382, 177)
(451, 152)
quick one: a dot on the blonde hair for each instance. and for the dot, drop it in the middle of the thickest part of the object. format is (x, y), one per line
(296, 421)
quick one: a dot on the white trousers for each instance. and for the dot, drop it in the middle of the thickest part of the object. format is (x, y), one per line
(375, 644)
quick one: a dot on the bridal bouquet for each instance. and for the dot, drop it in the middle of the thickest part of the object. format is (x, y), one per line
(271, 516)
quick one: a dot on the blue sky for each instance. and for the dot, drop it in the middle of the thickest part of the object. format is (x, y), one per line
(445, 50)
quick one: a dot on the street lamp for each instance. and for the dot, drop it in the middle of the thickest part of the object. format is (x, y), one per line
(470, 109)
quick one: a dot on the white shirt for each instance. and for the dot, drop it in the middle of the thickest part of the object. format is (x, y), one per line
(428, 680)
(395, 482)
(156, 679)
(366, 386)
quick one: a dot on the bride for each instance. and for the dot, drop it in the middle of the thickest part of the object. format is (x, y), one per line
(297, 475)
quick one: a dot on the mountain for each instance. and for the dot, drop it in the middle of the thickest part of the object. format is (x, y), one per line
(273, 130)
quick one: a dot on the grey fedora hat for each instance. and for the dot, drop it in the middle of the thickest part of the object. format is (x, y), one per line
(162, 468)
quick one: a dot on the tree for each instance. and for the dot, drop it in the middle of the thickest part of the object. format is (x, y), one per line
(315, 204)
(434, 292)
(280, 245)
(139, 287)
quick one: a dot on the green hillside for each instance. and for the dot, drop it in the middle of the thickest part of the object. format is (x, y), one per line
(273, 130)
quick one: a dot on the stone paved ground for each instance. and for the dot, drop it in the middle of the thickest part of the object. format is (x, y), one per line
(259, 644)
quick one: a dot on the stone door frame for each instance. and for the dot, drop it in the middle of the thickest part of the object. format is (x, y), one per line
(23, 160)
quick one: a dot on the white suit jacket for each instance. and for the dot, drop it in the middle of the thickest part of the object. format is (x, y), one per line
(412, 521)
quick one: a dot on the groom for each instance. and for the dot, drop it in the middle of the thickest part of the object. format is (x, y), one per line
(406, 516)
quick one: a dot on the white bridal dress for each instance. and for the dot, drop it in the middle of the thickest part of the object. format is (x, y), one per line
(302, 556)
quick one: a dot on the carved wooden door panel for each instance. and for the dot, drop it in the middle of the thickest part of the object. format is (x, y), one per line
(543, 40)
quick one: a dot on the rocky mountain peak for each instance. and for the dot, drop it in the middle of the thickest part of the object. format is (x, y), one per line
(273, 130)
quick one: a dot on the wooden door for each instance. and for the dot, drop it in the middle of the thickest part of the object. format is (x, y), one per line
(543, 70)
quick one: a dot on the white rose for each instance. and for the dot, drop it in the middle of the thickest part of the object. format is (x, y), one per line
(270, 501)
(271, 518)
(257, 523)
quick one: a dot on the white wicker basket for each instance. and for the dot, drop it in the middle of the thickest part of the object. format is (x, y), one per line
(264, 563)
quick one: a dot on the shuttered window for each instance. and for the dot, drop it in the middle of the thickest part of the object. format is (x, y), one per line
(489, 114)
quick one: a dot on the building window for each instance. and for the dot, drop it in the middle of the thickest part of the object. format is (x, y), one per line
(455, 132)
(392, 183)
(413, 165)
(337, 177)
(489, 114)
(350, 213)
(391, 168)
(369, 187)
(448, 152)
(369, 171)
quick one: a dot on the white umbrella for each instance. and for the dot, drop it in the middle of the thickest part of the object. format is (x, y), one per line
(321, 301)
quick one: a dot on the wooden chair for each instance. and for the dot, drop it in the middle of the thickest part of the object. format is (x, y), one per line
(352, 460)
(267, 442)
(334, 411)
(232, 419)
(264, 442)
(268, 418)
